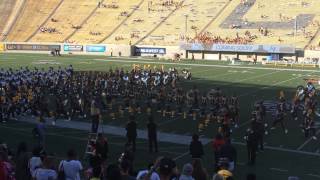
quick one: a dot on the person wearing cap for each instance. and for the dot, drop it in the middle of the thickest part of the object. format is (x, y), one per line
(167, 168)
(227, 175)
(186, 172)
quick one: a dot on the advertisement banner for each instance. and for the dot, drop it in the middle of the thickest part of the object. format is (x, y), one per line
(149, 50)
(96, 48)
(32, 47)
(70, 48)
(1, 47)
(285, 49)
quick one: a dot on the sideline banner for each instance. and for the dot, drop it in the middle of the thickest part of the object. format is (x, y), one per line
(96, 48)
(32, 47)
(69, 48)
(286, 49)
(149, 50)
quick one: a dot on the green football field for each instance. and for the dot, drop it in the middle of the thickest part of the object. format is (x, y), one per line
(285, 155)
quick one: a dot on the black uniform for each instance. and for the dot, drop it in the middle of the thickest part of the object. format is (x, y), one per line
(252, 143)
(152, 136)
(196, 149)
(132, 134)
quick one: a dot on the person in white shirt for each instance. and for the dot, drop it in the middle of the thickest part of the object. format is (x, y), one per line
(45, 172)
(144, 173)
(71, 167)
(35, 161)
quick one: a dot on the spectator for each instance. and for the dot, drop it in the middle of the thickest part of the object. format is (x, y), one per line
(196, 148)
(113, 172)
(46, 171)
(227, 175)
(251, 177)
(22, 158)
(35, 162)
(71, 167)
(125, 167)
(6, 169)
(167, 168)
(199, 173)
(40, 131)
(217, 144)
(152, 135)
(96, 173)
(187, 172)
(132, 133)
(217, 177)
(102, 147)
(229, 152)
(150, 173)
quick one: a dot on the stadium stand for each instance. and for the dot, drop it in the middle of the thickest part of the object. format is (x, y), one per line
(65, 21)
(32, 14)
(260, 14)
(6, 8)
(164, 22)
(105, 20)
(199, 13)
(149, 16)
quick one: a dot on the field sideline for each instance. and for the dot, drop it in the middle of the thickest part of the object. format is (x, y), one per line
(285, 155)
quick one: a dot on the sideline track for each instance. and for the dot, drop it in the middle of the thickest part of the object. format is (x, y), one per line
(205, 65)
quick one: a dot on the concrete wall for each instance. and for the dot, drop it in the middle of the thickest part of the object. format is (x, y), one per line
(126, 50)
(311, 54)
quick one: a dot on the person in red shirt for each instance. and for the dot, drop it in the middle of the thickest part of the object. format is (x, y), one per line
(217, 143)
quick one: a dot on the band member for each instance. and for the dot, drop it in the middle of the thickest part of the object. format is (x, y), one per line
(279, 118)
(131, 129)
(95, 116)
(152, 135)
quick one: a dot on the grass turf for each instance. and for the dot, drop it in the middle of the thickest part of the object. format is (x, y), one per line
(249, 82)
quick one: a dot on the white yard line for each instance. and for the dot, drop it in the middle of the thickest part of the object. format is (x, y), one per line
(265, 87)
(206, 65)
(181, 156)
(306, 142)
(255, 77)
(282, 149)
(278, 169)
(314, 175)
(18, 130)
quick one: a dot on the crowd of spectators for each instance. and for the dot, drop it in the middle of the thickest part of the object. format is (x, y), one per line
(209, 38)
(41, 165)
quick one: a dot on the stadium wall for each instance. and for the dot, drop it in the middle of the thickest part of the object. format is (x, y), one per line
(166, 52)
(81, 49)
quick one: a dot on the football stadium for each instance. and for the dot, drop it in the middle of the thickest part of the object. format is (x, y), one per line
(159, 89)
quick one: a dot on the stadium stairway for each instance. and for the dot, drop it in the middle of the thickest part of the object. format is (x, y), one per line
(68, 17)
(186, 21)
(158, 25)
(45, 21)
(83, 22)
(32, 14)
(6, 8)
(314, 41)
(9, 12)
(105, 21)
